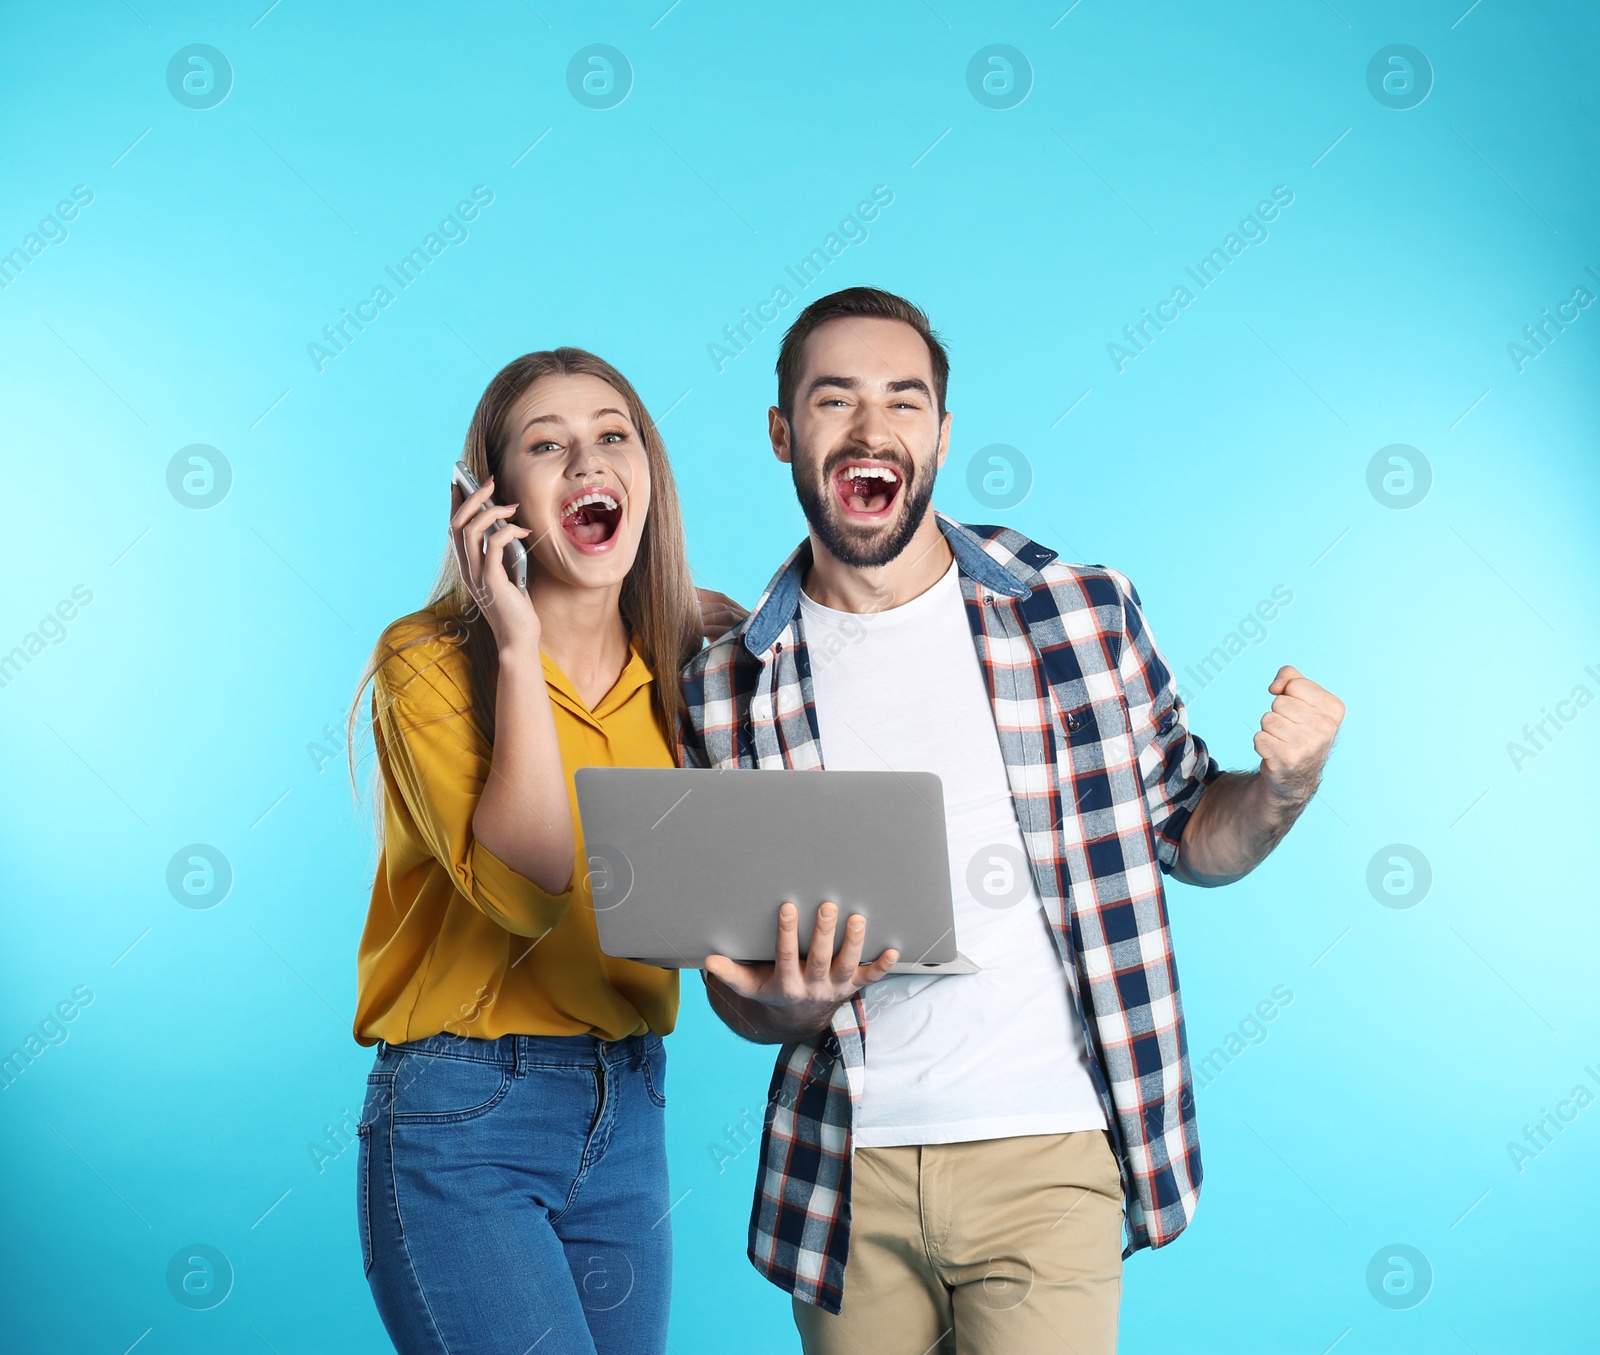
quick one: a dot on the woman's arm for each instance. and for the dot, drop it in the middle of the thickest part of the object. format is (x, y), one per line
(523, 816)
(436, 765)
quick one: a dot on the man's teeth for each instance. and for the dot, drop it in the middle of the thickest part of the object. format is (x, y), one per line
(591, 501)
(872, 473)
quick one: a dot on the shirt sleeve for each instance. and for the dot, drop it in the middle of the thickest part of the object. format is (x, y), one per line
(1175, 765)
(437, 759)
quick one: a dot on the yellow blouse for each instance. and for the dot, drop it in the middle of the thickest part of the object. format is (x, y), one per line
(455, 939)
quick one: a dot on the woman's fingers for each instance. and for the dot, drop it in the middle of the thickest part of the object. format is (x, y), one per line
(456, 500)
(462, 510)
(495, 574)
(474, 531)
(472, 535)
(719, 613)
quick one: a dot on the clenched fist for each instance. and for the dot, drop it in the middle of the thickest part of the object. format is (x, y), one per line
(1297, 734)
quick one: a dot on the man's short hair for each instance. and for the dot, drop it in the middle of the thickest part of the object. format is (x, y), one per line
(867, 303)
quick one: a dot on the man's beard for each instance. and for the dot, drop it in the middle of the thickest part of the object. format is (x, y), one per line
(862, 548)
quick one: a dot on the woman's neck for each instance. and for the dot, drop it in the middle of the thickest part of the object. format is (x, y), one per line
(582, 630)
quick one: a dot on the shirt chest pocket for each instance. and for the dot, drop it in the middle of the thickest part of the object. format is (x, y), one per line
(1095, 722)
(1098, 741)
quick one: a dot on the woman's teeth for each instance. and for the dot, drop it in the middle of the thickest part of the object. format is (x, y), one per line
(591, 500)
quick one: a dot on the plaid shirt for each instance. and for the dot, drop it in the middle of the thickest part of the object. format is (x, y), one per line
(1104, 774)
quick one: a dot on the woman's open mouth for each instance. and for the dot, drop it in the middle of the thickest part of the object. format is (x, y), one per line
(590, 519)
(867, 490)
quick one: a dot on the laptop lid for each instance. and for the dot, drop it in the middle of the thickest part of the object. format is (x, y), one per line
(684, 863)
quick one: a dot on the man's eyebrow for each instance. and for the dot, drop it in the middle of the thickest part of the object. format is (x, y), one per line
(850, 383)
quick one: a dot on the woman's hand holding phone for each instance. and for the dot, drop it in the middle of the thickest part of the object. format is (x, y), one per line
(523, 815)
(509, 610)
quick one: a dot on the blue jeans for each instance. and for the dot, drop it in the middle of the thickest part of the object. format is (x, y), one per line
(512, 1195)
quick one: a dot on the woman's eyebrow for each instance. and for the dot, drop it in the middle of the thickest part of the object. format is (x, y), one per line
(556, 418)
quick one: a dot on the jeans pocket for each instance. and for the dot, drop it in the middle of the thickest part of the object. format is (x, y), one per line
(655, 1072)
(374, 1112)
(442, 1089)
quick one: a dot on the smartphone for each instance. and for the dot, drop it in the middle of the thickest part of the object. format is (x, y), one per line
(517, 564)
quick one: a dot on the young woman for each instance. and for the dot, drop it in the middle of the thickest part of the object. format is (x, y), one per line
(512, 1179)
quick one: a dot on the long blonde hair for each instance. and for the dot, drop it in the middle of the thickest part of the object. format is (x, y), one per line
(658, 602)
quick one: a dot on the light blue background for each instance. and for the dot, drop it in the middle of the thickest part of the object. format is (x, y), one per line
(184, 703)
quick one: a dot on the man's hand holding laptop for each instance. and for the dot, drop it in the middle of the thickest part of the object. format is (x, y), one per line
(794, 999)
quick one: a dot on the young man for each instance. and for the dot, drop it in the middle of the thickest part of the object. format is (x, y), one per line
(950, 1161)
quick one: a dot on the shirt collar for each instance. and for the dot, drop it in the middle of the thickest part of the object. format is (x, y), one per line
(777, 606)
(635, 674)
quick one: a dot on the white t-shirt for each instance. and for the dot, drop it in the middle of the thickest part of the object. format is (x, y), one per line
(953, 1057)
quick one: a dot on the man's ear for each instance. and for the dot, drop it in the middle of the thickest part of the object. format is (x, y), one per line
(944, 438)
(778, 431)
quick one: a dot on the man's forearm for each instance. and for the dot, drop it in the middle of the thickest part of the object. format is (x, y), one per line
(1237, 823)
(760, 1022)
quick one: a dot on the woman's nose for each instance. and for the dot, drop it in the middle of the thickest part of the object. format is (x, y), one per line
(586, 459)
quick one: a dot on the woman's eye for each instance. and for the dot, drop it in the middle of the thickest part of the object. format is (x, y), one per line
(615, 436)
(545, 447)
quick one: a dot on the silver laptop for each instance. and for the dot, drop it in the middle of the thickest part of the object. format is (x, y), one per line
(687, 863)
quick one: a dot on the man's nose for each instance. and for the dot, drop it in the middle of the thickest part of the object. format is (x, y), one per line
(870, 426)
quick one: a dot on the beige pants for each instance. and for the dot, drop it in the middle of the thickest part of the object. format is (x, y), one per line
(998, 1247)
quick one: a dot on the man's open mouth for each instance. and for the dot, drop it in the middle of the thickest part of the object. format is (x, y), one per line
(590, 519)
(867, 490)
